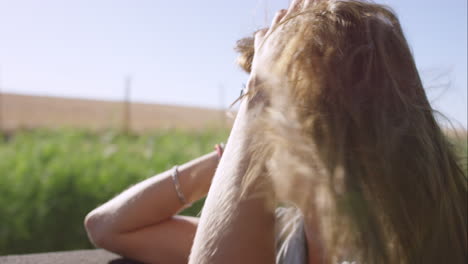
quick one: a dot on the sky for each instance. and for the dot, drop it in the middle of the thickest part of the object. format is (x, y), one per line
(181, 52)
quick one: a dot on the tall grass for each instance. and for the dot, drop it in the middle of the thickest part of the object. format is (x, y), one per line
(51, 179)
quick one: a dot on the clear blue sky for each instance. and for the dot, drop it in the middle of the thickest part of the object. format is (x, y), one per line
(181, 52)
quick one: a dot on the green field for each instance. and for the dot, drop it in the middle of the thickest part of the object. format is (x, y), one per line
(51, 179)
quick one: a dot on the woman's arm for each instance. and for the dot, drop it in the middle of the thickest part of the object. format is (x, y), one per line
(233, 229)
(139, 223)
(237, 226)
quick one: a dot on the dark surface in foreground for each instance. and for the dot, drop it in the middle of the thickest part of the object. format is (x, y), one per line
(97, 256)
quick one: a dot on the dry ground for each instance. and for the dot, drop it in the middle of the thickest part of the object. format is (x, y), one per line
(20, 111)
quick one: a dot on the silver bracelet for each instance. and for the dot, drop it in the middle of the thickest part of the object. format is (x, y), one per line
(175, 179)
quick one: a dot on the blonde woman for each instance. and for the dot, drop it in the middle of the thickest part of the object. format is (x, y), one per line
(335, 125)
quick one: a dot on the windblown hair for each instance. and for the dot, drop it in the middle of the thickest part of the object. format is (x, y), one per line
(349, 136)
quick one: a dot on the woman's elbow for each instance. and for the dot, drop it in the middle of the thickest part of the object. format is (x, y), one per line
(95, 225)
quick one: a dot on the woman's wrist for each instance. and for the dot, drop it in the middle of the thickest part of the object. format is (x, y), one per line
(195, 176)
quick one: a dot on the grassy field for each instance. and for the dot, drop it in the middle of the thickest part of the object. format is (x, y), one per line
(50, 179)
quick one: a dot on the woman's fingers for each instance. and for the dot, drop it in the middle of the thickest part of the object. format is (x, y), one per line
(278, 17)
(258, 37)
(260, 34)
(309, 3)
(295, 6)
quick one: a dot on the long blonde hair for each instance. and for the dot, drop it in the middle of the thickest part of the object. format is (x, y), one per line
(350, 137)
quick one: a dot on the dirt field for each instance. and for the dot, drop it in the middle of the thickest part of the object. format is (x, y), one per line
(20, 111)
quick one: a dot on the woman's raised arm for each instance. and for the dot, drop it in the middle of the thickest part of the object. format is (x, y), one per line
(236, 226)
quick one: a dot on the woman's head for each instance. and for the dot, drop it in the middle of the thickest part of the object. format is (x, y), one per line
(349, 136)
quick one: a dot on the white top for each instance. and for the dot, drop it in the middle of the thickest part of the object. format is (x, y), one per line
(291, 242)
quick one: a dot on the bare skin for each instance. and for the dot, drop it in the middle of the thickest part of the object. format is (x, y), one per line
(138, 222)
(141, 222)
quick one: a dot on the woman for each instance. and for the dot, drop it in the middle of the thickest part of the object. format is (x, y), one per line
(336, 123)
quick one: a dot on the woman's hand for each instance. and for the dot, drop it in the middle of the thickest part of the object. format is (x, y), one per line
(265, 53)
(265, 48)
(255, 98)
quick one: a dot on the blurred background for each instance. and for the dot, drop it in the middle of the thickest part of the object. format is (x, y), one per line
(96, 95)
